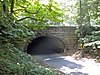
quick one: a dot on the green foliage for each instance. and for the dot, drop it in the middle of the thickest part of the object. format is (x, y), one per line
(89, 12)
(37, 15)
(90, 39)
(11, 30)
(18, 19)
(89, 24)
(15, 62)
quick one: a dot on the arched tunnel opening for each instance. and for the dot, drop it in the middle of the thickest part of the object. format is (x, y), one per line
(45, 45)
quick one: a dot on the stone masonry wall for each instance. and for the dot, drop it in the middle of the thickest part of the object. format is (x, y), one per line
(65, 33)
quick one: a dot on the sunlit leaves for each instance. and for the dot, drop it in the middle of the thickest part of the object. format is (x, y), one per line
(22, 16)
(90, 10)
(43, 14)
(18, 19)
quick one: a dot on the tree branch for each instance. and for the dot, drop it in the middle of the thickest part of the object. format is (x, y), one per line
(19, 10)
(3, 6)
(26, 18)
(32, 19)
(32, 12)
(29, 11)
(43, 17)
(12, 6)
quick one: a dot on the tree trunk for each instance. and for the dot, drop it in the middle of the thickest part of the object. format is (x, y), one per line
(12, 6)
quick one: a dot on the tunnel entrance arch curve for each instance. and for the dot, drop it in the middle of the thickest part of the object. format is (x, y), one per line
(45, 44)
(66, 34)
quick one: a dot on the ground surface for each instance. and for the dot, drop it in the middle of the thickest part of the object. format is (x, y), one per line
(69, 65)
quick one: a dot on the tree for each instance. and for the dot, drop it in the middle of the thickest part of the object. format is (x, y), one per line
(89, 24)
(90, 12)
(89, 15)
(19, 17)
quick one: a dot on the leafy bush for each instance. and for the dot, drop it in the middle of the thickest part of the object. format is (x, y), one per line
(15, 62)
(18, 19)
(90, 40)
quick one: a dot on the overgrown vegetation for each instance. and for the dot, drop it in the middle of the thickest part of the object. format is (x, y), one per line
(89, 26)
(18, 19)
(91, 41)
(15, 62)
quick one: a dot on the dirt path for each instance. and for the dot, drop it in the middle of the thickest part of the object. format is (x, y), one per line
(69, 65)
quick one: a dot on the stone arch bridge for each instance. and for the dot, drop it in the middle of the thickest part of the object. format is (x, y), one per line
(64, 34)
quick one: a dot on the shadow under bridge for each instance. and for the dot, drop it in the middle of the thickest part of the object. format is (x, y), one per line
(45, 45)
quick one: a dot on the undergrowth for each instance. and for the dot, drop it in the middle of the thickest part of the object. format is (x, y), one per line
(15, 62)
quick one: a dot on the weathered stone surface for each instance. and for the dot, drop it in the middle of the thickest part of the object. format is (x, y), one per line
(65, 34)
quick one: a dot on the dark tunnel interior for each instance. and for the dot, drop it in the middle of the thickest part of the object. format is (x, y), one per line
(45, 45)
